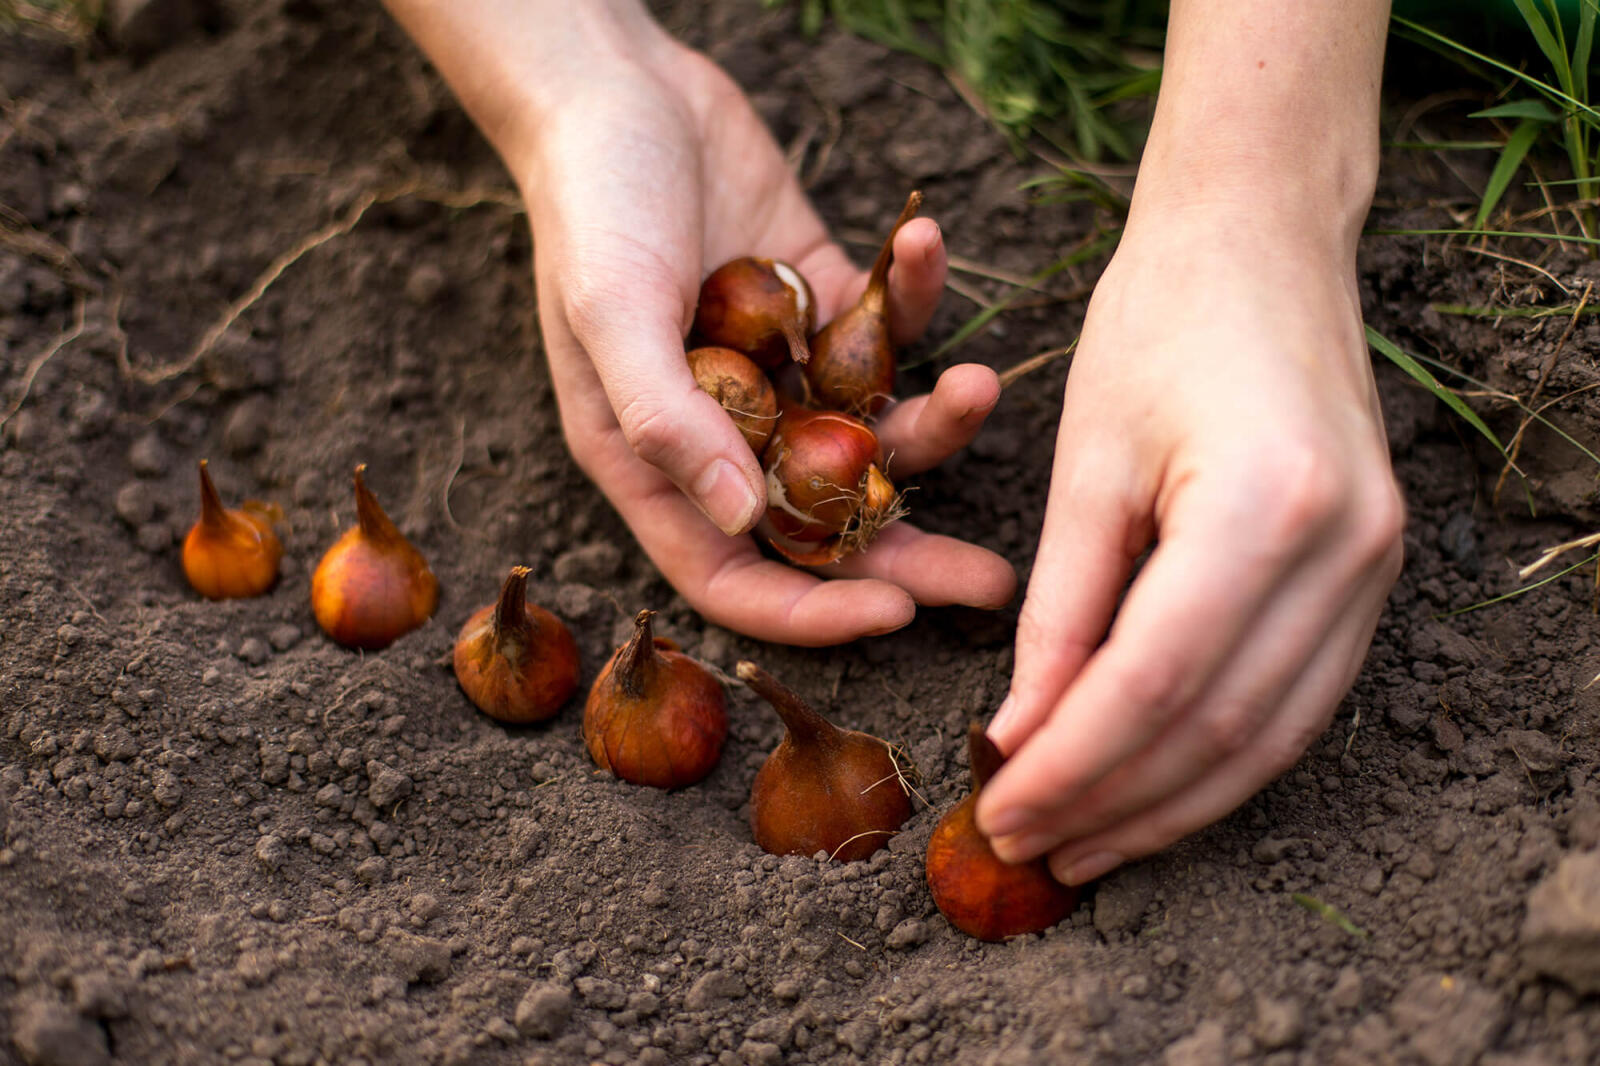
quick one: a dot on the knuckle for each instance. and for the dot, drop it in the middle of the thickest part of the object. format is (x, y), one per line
(1228, 730)
(1149, 689)
(1307, 489)
(649, 430)
(1380, 527)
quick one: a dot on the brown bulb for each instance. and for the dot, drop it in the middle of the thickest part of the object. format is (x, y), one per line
(852, 362)
(655, 716)
(761, 307)
(741, 388)
(823, 788)
(230, 553)
(515, 660)
(979, 893)
(826, 488)
(372, 587)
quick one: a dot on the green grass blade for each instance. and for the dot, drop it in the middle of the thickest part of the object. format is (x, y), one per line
(1382, 231)
(1505, 168)
(1536, 109)
(1391, 351)
(1514, 593)
(1329, 913)
(1542, 86)
(1546, 40)
(1499, 311)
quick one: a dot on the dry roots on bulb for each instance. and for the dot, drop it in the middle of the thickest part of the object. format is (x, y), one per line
(515, 660)
(761, 307)
(655, 716)
(741, 388)
(852, 361)
(826, 488)
(231, 553)
(979, 893)
(823, 788)
(372, 586)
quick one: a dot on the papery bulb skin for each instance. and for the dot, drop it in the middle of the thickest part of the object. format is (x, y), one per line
(742, 389)
(655, 716)
(825, 484)
(980, 894)
(230, 553)
(852, 361)
(372, 587)
(761, 307)
(823, 788)
(515, 660)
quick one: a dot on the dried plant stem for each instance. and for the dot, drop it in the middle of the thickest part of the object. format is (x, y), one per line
(50, 351)
(1514, 449)
(1027, 366)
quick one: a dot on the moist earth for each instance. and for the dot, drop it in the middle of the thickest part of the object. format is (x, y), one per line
(225, 839)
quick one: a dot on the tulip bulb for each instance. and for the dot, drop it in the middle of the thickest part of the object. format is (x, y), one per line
(826, 488)
(515, 660)
(372, 587)
(230, 553)
(741, 388)
(761, 307)
(852, 362)
(655, 716)
(823, 788)
(979, 893)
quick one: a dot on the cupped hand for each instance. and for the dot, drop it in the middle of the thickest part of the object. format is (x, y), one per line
(636, 185)
(1220, 405)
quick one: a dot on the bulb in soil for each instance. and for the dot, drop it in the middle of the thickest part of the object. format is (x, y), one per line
(980, 894)
(372, 587)
(515, 660)
(655, 716)
(230, 553)
(761, 307)
(852, 362)
(823, 788)
(826, 489)
(741, 388)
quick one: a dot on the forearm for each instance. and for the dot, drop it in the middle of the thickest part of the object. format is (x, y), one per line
(512, 61)
(1268, 107)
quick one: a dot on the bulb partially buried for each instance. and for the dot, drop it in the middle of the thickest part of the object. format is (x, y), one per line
(761, 307)
(741, 388)
(655, 716)
(230, 553)
(372, 587)
(826, 488)
(981, 895)
(852, 361)
(823, 788)
(515, 660)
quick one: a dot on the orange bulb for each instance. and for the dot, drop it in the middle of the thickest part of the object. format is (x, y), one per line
(516, 661)
(230, 554)
(372, 587)
(979, 893)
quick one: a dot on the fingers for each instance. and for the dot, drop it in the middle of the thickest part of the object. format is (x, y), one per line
(635, 343)
(1086, 550)
(1305, 714)
(1181, 621)
(916, 279)
(926, 430)
(935, 570)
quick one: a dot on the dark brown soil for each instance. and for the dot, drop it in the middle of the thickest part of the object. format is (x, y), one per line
(225, 839)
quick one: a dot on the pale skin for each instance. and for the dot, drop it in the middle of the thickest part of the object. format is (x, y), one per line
(1220, 404)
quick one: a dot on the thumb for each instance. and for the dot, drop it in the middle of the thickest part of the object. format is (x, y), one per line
(633, 335)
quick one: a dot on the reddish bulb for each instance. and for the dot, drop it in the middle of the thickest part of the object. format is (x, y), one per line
(741, 388)
(761, 307)
(979, 893)
(826, 488)
(823, 788)
(372, 587)
(515, 660)
(655, 716)
(230, 553)
(852, 361)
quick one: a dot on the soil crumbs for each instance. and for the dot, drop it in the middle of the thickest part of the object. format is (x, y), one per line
(224, 839)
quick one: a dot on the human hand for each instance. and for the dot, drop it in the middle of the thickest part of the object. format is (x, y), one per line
(1220, 402)
(636, 185)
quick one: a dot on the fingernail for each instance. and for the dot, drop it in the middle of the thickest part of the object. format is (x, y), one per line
(1023, 846)
(726, 497)
(1091, 866)
(1002, 717)
(1007, 822)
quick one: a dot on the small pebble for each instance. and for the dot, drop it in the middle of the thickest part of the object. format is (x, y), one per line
(148, 457)
(254, 651)
(247, 427)
(282, 637)
(154, 537)
(135, 504)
